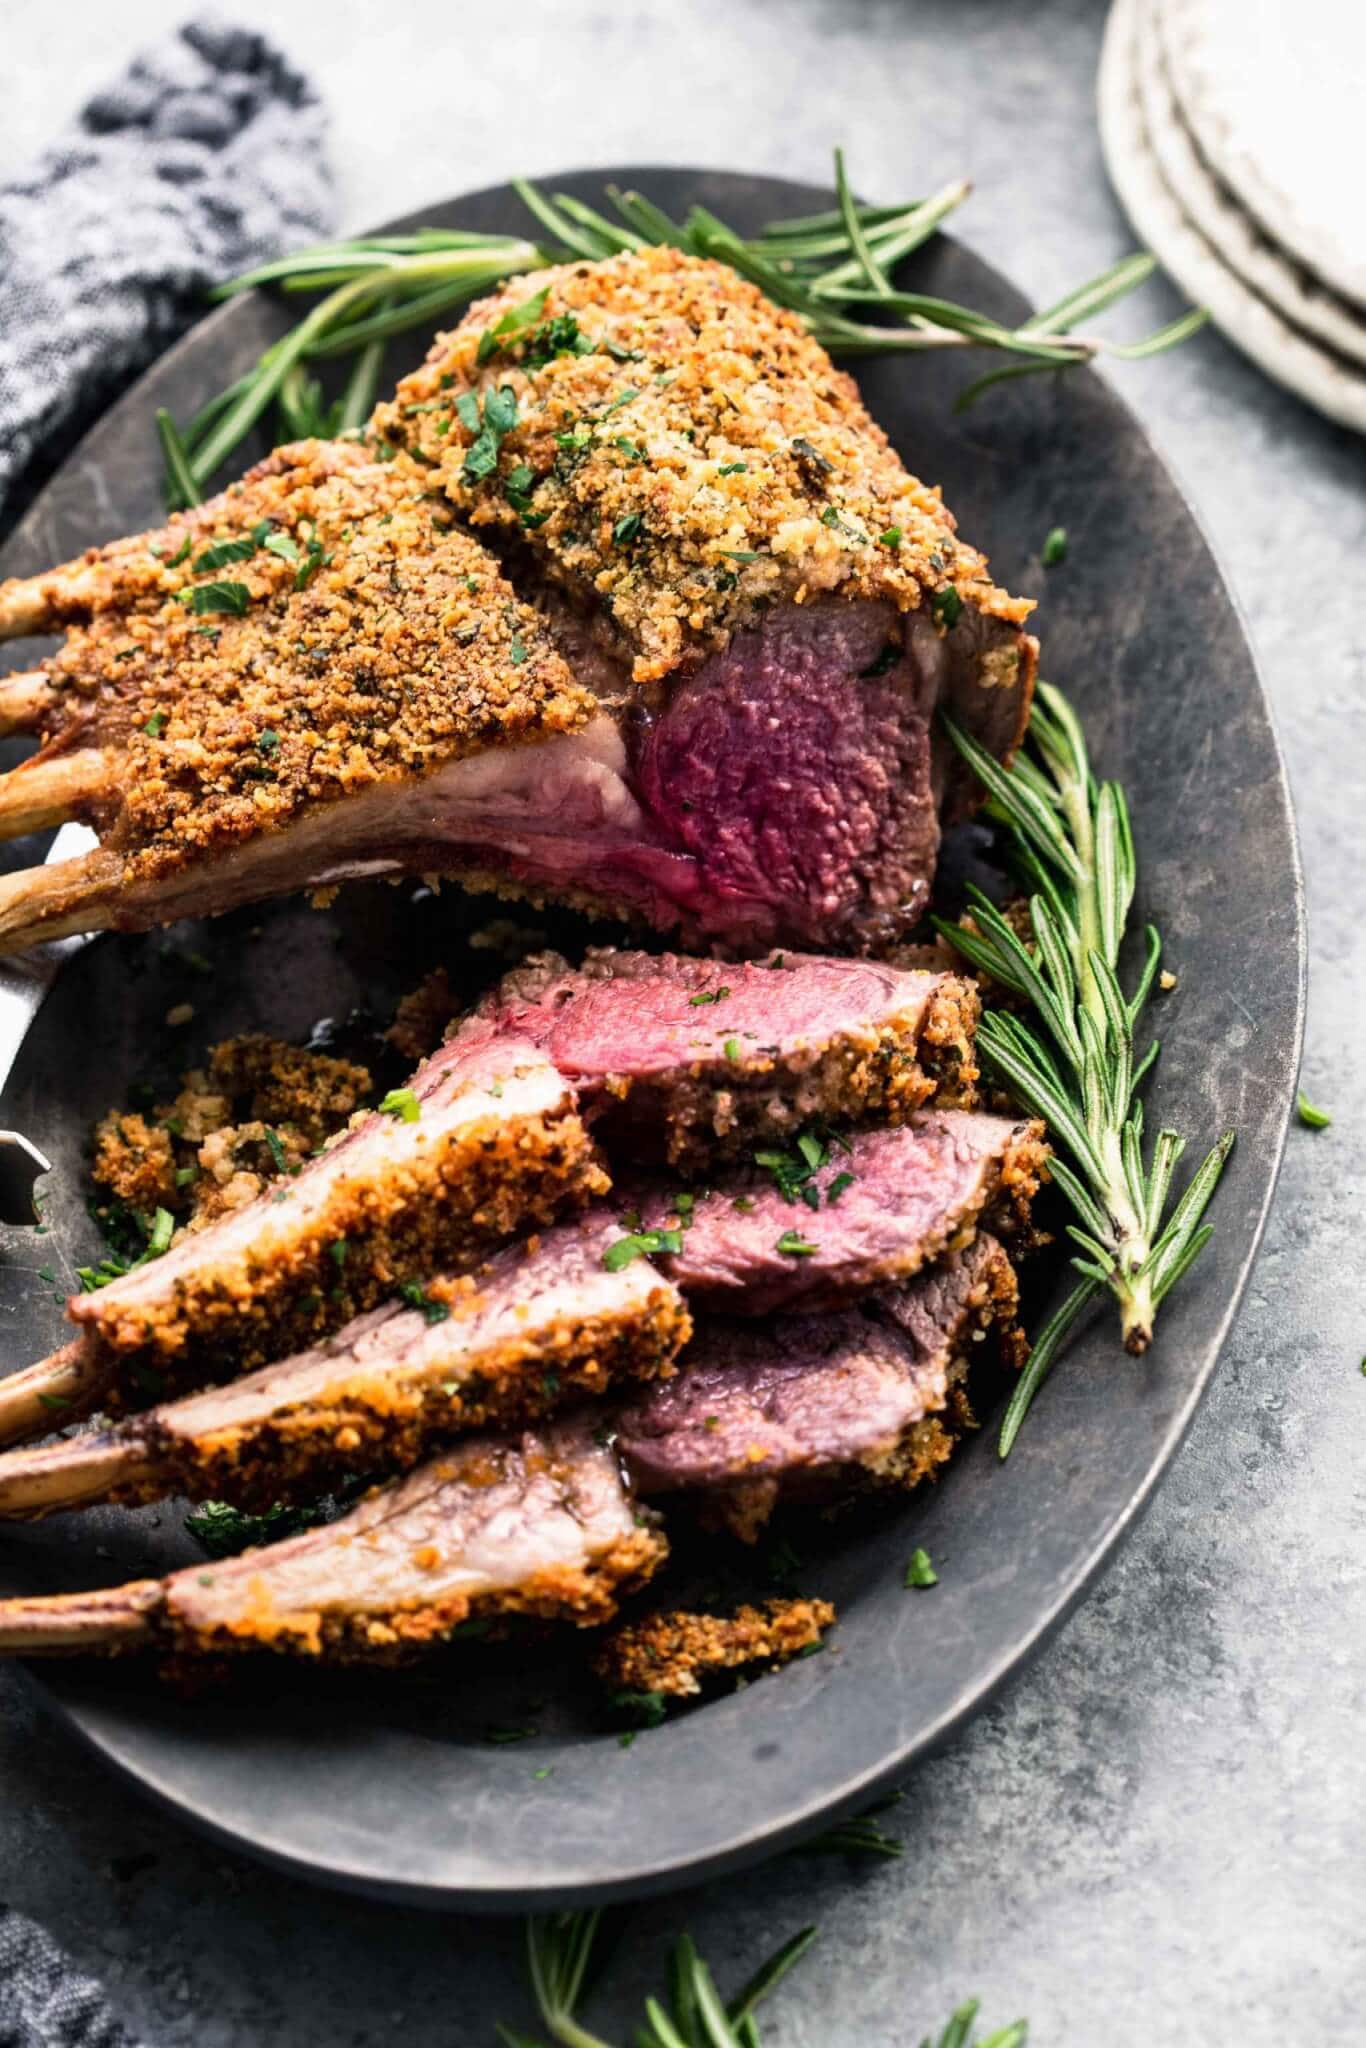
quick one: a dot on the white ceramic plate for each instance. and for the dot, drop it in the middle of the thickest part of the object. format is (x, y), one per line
(1327, 381)
(1274, 94)
(1212, 208)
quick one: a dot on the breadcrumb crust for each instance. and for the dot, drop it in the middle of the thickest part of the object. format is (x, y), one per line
(675, 1650)
(705, 460)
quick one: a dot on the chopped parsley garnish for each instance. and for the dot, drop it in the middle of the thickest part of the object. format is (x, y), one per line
(837, 1187)
(157, 1231)
(891, 538)
(314, 560)
(640, 1244)
(628, 447)
(498, 420)
(402, 1104)
(182, 553)
(920, 1572)
(562, 336)
(832, 517)
(646, 1708)
(337, 1251)
(731, 1049)
(1316, 1119)
(217, 597)
(154, 725)
(627, 529)
(223, 552)
(55, 1402)
(283, 545)
(708, 996)
(794, 1246)
(946, 604)
(740, 554)
(517, 653)
(224, 1530)
(513, 325)
(881, 663)
(268, 742)
(417, 1297)
(811, 457)
(1054, 549)
(792, 1171)
(278, 1152)
(617, 403)
(732, 469)
(510, 1734)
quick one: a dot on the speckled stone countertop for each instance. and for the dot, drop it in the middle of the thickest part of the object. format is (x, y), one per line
(1154, 1835)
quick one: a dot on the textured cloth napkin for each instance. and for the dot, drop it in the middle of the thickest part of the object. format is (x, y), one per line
(45, 2001)
(204, 158)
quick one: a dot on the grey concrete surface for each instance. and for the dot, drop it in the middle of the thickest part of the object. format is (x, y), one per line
(1155, 1834)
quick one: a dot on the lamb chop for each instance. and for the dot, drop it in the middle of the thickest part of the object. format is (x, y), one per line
(811, 1406)
(541, 1524)
(546, 1523)
(575, 1311)
(486, 1139)
(821, 1227)
(707, 703)
(542, 1324)
(686, 1058)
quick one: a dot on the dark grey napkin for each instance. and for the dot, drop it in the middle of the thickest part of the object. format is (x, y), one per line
(45, 2001)
(204, 158)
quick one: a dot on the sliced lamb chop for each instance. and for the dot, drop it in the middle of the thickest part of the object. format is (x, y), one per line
(581, 1309)
(884, 1204)
(682, 1058)
(709, 703)
(541, 1324)
(496, 1144)
(809, 1405)
(540, 1524)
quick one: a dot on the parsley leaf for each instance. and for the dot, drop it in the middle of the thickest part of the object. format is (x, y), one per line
(402, 1104)
(223, 552)
(217, 597)
(417, 1297)
(1054, 549)
(920, 1572)
(793, 1246)
(512, 326)
(946, 605)
(640, 1244)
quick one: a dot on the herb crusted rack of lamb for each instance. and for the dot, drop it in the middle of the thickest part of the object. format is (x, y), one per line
(696, 687)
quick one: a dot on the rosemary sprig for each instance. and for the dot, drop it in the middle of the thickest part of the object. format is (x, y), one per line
(692, 2014)
(827, 267)
(1070, 840)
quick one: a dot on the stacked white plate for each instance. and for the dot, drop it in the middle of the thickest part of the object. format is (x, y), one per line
(1235, 136)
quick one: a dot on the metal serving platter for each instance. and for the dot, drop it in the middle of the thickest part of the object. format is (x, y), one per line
(391, 1785)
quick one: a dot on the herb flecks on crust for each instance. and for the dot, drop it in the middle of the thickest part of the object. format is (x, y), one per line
(698, 460)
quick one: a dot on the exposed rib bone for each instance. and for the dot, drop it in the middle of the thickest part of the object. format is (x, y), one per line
(81, 1623)
(56, 902)
(72, 1474)
(25, 698)
(39, 604)
(55, 1391)
(50, 790)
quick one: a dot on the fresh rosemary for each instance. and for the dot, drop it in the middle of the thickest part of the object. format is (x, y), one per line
(1070, 841)
(833, 269)
(693, 2013)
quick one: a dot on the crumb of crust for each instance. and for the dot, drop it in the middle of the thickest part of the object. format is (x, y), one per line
(422, 1016)
(362, 638)
(259, 1107)
(135, 1161)
(675, 1650)
(702, 460)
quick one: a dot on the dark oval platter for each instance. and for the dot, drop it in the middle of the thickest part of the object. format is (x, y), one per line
(392, 1785)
